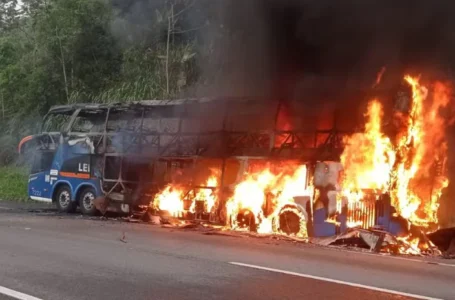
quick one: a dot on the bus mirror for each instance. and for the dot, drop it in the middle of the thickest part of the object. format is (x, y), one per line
(23, 142)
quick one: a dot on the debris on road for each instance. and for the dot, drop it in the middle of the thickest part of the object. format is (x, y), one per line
(101, 204)
(123, 238)
(380, 241)
(374, 240)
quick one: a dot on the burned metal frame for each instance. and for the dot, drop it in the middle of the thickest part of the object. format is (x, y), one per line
(139, 143)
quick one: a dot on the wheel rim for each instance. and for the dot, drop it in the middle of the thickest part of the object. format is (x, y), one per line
(87, 201)
(64, 199)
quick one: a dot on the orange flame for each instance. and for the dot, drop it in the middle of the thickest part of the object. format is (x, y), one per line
(368, 157)
(171, 198)
(403, 168)
(250, 195)
(207, 195)
(417, 191)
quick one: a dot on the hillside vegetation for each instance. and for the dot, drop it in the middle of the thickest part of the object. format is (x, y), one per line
(59, 51)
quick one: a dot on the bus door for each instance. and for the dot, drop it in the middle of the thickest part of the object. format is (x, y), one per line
(40, 183)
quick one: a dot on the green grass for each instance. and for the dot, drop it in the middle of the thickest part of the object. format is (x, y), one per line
(13, 183)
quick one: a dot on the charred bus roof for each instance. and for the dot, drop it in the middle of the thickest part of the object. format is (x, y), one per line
(139, 104)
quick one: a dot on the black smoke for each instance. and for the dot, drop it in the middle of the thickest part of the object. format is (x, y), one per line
(295, 45)
(289, 46)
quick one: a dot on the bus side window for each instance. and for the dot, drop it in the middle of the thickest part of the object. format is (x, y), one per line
(42, 161)
(89, 121)
(56, 122)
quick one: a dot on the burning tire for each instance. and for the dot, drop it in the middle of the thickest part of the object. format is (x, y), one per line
(292, 221)
(245, 219)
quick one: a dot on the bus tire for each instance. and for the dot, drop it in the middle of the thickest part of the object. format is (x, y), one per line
(63, 200)
(86, 198)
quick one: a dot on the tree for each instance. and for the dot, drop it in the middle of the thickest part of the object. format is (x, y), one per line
(59, 51)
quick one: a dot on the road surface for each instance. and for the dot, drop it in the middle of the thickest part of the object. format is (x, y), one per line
(47, 256)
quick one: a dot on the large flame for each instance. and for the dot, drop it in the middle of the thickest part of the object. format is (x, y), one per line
(263, 188)
(207, 195)
(421, 150)
(170, 200)
(173, 196)
(368, 157)
(403, 167)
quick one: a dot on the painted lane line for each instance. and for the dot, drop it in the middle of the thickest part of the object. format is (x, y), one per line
(16, 295)
(373, 288)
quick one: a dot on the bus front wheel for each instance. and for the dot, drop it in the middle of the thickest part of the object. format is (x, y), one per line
(86, 198)
(63, 200)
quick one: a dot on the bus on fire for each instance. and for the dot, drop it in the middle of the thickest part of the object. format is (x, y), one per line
(123, 157)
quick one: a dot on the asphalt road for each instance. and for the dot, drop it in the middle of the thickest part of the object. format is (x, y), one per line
(53, 257)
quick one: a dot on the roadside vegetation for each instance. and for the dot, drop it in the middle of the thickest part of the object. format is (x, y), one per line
(13, 183)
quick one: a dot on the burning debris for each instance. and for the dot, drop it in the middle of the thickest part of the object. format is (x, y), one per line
(379, 241)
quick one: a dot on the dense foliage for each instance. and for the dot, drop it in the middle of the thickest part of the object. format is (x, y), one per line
(13, 182)
(60, 51)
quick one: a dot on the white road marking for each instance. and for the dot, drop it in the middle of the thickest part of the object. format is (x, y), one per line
(16, 295)
(335, 281)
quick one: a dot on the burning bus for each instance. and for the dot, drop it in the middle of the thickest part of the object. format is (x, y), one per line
(185, 157)
(254, 166)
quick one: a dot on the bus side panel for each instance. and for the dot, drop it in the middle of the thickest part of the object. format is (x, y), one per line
(39, 182)
(39, 188)
(72, 166)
